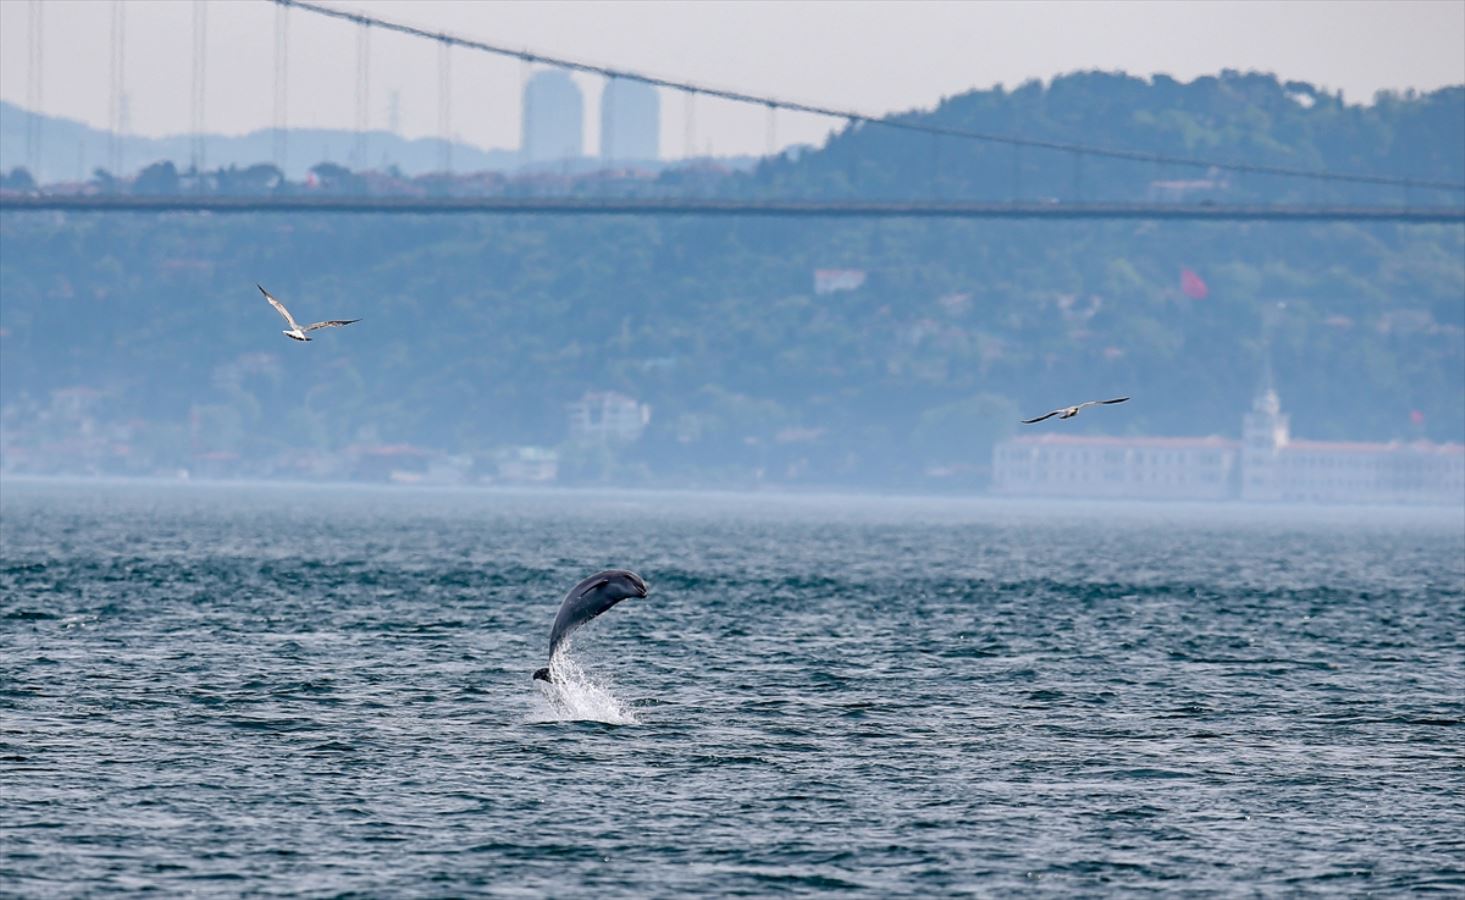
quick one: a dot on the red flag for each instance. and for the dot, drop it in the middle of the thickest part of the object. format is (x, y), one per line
(1416, 417)
(1192, 285)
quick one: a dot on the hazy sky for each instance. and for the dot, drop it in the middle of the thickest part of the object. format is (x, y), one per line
(872, 56)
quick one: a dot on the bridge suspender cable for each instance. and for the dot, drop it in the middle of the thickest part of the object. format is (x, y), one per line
(531, 56)
(363, 96)
(282, 83)
(199, 97)
(35, 68)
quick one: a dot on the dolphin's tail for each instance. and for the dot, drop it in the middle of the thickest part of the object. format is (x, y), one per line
(543, 675)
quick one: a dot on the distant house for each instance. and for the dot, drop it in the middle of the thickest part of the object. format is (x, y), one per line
(832, 281)
(528, 465)
(213, 464)
(955, 304)
(403, 463)
(1265, 465)
(606, 417)
(1192, 190)
(74, 402)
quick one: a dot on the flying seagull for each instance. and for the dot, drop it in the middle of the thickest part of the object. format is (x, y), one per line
(296, 333)
(1069, 412)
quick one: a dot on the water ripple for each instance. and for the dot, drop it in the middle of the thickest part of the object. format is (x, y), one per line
(325, 693)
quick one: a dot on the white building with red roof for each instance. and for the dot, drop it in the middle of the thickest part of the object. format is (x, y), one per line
(1266, 465)
(1277, 468)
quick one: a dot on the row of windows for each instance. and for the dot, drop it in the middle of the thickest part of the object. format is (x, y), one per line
(1116, 457)
(1406, 466)
(1016, 474)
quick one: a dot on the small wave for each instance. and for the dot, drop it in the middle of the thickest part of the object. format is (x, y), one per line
(30, 615)
(574, 696)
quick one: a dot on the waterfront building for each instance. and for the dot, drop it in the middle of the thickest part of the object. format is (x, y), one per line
(1266, 465)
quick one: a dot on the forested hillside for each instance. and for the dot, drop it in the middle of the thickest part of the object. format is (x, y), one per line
(477, 332)
(1241, 118)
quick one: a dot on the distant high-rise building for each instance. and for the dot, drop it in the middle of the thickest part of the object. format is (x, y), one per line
(553, 118)
(630, 121)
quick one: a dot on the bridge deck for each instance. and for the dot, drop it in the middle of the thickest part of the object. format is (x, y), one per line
(712, 207)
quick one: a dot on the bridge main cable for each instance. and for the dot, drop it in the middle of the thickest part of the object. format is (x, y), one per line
(853, 116)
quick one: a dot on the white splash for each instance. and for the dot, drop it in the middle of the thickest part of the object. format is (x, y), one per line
(574, 696)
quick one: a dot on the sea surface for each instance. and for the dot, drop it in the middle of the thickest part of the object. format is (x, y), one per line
(268, 690)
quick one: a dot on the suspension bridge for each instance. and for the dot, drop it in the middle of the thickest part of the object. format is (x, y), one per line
(1445, 203)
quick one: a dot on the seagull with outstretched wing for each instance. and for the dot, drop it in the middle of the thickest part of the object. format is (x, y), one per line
(296, 333)
(1069, 412)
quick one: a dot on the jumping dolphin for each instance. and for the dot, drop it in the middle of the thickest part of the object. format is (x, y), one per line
(587, 600)
(1068, 412)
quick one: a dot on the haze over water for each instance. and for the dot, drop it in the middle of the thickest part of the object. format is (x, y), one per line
(317, 691)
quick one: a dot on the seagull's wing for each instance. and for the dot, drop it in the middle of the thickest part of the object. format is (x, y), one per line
(1087, 403)
(334, 323)
(1041, 418)
(279, 307)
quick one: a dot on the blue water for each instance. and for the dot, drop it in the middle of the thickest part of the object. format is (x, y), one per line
(323, 692)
